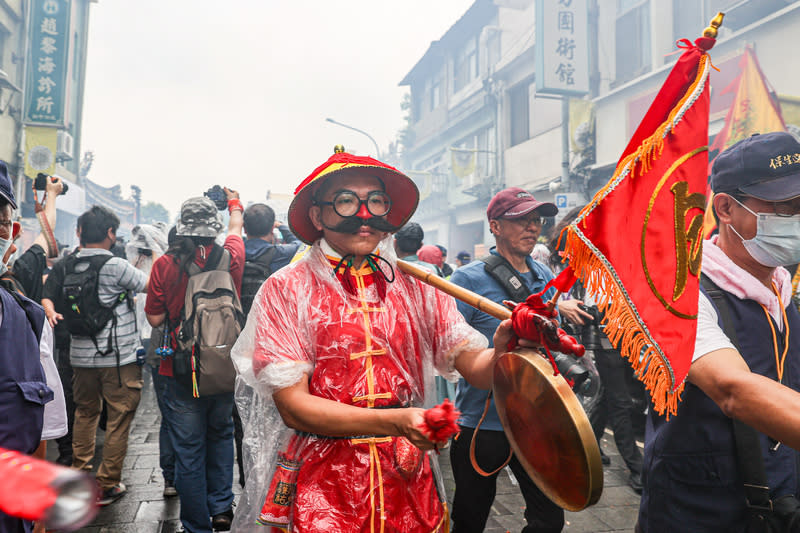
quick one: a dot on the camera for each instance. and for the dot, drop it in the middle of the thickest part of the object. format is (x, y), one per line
(217, 195)
(573, 369)
(591, 333)
(40, 183)
(584, 377)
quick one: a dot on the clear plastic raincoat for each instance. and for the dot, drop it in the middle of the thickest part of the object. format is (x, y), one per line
(145, 237)
(359, 349)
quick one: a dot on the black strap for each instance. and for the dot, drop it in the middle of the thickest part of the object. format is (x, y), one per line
(96, 262)
(10, 282)
(262, 263)
(507, 276)
(214, 258)
(748, 447)
(265, 258)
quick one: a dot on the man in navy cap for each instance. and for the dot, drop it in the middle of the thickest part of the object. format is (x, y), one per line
(26, 345)
(463, 258)
(727, 460)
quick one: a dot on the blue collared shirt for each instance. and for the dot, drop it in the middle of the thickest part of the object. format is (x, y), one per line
(470, 400)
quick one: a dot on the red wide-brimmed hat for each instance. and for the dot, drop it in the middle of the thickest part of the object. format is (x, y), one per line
(401, 190)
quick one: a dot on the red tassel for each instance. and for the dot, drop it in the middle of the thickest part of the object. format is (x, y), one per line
(440, 422)
(380, 284)
(347, 281)
(532, 320)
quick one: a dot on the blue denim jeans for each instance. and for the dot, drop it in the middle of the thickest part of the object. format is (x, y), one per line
(166, 454)
(201, 431)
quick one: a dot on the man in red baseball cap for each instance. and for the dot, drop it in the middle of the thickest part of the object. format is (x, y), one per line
(341, 347)
(514, 203)
(507, 273)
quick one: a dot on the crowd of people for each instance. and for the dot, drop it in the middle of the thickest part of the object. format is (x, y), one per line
(309, 358)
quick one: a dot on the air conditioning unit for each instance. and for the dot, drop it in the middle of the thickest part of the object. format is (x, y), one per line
(65, 146)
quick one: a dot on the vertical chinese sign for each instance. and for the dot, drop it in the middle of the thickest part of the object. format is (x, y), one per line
(46, 73)
(562, 50)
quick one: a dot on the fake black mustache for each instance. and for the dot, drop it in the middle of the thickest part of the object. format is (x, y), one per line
(353, 223)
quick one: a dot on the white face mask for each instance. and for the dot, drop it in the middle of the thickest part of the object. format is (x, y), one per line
(5, 244)
(777, 240)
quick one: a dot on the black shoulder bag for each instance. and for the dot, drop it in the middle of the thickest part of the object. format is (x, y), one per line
(503, 273)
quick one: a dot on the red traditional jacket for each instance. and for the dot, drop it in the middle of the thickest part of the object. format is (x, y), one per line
(367, 351)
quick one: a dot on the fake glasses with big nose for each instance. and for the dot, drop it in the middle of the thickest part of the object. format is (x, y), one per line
(347, 204)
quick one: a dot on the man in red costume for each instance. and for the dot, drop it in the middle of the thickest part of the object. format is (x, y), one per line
(342, 346)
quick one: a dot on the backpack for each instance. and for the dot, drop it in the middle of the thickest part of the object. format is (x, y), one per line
(211, 321)
(255, 273)
(84, 315)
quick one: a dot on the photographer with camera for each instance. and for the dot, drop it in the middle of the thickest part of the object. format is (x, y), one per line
(29, 267)
(616, 405)
(200, 426)
(31, 400)
(615, 408)
(507, 273)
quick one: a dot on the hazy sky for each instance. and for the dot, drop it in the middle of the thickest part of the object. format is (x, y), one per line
(184, 94)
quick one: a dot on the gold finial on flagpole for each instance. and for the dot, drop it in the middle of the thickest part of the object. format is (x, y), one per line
(713, 26)
(338, 149)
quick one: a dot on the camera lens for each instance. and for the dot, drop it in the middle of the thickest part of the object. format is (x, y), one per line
(572, 370)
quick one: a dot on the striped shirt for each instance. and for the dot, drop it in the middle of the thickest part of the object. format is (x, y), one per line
(116, 276)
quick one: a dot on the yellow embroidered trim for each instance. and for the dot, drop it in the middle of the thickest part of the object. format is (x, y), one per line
(444, 522)
(375, 470)
(651, 148)
(333, 167)
(371, 397)
(367, 354)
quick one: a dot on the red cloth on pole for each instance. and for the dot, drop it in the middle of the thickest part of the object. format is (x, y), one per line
(638, 242)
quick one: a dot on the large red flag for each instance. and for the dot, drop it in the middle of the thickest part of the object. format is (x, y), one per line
(638, 243)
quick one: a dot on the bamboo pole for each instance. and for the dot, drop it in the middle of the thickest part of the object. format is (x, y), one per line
(478, 302)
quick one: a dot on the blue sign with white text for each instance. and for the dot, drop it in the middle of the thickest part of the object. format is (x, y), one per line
(46, 72)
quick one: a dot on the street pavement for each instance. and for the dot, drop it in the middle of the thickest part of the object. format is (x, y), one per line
(144, 510)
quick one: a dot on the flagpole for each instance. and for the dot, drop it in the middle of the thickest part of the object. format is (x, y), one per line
(477, 301)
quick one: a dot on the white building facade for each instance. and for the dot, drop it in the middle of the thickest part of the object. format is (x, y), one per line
(474, 96)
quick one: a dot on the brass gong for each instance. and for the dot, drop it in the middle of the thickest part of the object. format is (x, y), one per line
(548, 429)
(543, 420)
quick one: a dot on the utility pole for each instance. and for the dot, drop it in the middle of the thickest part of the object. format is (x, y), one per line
(137, 200)
(565, 143)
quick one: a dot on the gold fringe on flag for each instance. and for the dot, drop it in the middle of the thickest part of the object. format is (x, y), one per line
(624, 326)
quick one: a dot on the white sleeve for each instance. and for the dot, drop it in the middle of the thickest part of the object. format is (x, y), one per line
(55, 412)
(710, 336)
